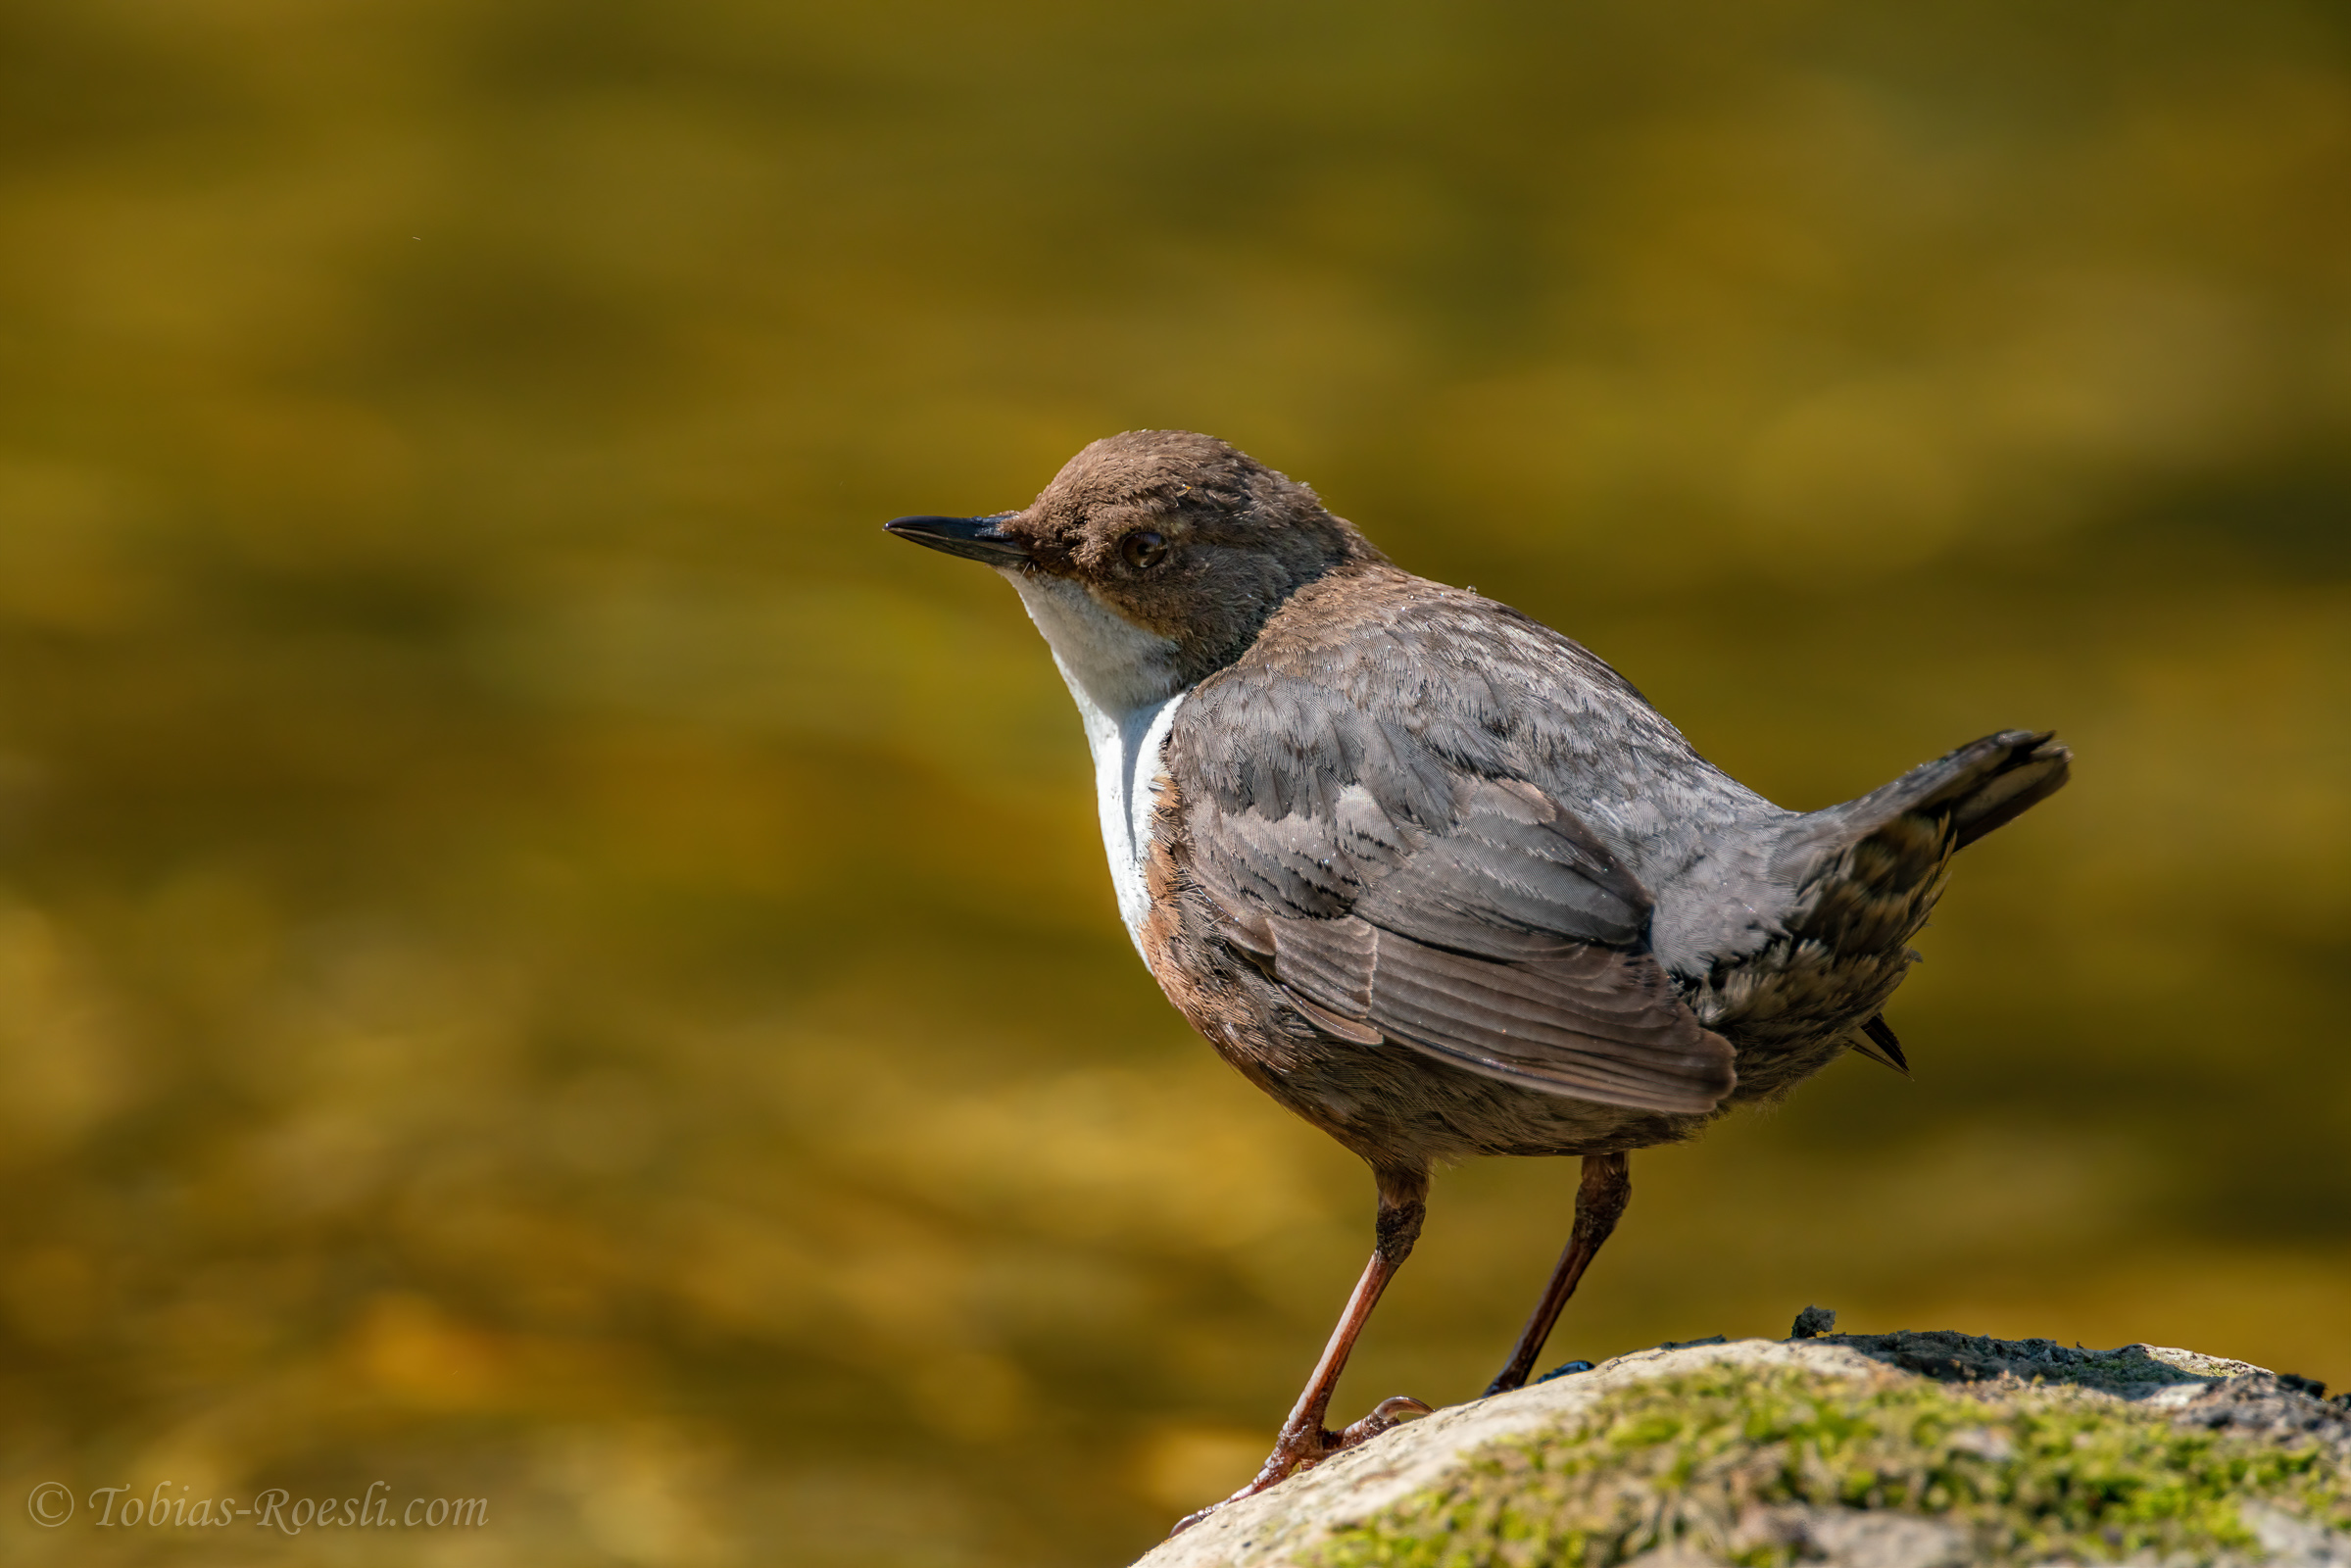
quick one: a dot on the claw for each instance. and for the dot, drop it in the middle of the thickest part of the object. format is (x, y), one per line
(1304, 1451)
(1389, 1412)
(1197, 1515)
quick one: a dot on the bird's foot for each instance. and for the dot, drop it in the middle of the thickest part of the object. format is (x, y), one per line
(1304, 1448)
(1512, 1379)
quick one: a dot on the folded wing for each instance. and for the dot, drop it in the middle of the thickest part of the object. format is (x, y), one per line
(1398, 892)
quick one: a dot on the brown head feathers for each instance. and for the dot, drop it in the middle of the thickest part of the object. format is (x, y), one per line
(1184, 536)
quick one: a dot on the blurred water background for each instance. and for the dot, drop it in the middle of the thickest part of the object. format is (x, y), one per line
(544, 958)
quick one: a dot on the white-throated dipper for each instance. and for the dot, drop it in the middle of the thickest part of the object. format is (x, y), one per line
(1432, 875)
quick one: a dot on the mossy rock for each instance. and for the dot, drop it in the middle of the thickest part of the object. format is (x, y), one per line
(1906, 1450)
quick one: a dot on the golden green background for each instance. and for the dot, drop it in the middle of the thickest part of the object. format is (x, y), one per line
(542, 956)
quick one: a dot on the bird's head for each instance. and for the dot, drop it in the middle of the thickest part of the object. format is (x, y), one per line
(1154, 557)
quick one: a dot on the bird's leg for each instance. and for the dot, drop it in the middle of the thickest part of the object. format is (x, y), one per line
(1606, 1188)
(1304, 1440)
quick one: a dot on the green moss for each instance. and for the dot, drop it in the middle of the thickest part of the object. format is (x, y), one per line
(2028, 1477)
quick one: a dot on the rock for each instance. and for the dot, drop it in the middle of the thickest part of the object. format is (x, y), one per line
(1876, 1451)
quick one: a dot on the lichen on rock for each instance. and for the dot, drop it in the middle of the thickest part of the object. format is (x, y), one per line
(1896, 1451)
(1769, 1466)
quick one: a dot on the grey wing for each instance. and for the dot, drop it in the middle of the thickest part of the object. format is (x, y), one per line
(1398, 892)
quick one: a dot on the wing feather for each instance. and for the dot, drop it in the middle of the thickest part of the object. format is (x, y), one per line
(1408, 897)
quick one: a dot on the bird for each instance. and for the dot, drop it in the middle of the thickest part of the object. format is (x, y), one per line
(1434, 876)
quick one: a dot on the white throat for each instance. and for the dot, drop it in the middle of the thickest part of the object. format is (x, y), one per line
(1123, 679)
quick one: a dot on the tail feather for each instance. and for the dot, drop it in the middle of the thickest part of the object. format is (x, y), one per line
(1882, 1047)
(1974, 790)
(1858, 881)
(2031, 768)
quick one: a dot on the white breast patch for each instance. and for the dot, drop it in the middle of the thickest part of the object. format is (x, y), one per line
(1125, 776)
(1123, 680)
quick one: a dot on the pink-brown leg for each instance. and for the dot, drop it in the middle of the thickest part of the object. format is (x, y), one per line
(1304, 1441)
(1600, 1198)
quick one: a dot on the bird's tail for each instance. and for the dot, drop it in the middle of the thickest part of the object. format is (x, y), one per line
(1960, 798)
(1862, 878)
(2024, 771)
(1866, 873)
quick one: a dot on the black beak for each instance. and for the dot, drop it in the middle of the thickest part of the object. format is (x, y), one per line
(972, 538)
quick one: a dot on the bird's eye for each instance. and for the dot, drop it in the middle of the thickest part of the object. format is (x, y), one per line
(1143, 549)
